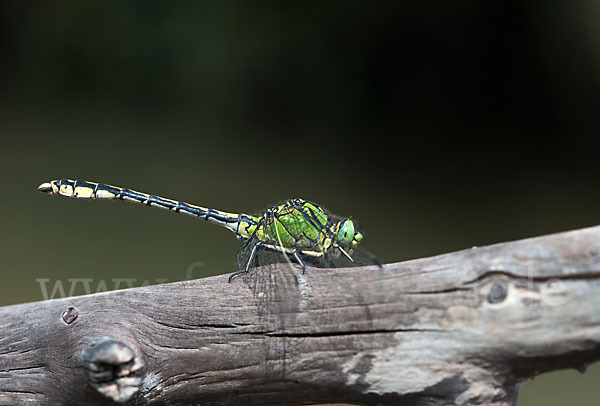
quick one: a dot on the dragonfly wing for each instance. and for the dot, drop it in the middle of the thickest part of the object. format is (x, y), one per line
(360, 257)
(255, 253)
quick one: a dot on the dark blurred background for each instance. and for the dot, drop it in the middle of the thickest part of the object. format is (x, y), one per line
(438, 125)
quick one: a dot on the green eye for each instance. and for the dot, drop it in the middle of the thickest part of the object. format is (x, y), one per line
(346, 232)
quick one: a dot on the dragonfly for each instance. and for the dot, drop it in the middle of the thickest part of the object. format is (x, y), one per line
(295, 230)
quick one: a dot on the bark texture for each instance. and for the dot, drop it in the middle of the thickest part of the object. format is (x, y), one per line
(463, 328)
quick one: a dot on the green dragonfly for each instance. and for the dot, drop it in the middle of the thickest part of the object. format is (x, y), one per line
(295, 230)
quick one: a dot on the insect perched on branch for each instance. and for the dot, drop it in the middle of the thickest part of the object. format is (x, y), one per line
(294, 231)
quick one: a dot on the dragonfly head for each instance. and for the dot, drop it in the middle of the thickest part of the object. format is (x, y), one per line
(348, 236)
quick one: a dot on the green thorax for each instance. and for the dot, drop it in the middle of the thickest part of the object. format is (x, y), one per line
(296, 223)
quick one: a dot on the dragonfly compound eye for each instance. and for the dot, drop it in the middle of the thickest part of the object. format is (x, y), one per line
(346, 233)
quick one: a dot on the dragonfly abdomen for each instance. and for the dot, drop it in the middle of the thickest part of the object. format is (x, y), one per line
(81, 189)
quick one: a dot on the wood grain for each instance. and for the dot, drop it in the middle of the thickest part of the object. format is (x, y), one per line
(464, 328)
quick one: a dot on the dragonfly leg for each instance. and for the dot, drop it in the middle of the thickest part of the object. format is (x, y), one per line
(253, 256)
(300, 261)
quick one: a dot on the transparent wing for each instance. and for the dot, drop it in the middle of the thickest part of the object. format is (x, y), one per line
(253, 254)
(334, 258)
(362, 257)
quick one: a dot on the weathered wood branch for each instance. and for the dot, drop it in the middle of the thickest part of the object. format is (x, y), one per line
(462, 328)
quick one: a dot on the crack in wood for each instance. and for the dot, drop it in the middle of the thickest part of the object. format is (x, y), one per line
(20, 392)
(341, 333)
(491, 273)
(29, 368)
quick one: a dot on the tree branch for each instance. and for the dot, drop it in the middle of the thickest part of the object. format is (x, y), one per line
(462, 328)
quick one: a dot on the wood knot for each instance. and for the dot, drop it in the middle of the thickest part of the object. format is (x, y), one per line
(70, 315)
(111, 367)
(498, 292)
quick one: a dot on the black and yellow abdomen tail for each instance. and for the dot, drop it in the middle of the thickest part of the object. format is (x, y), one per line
(81, 189)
